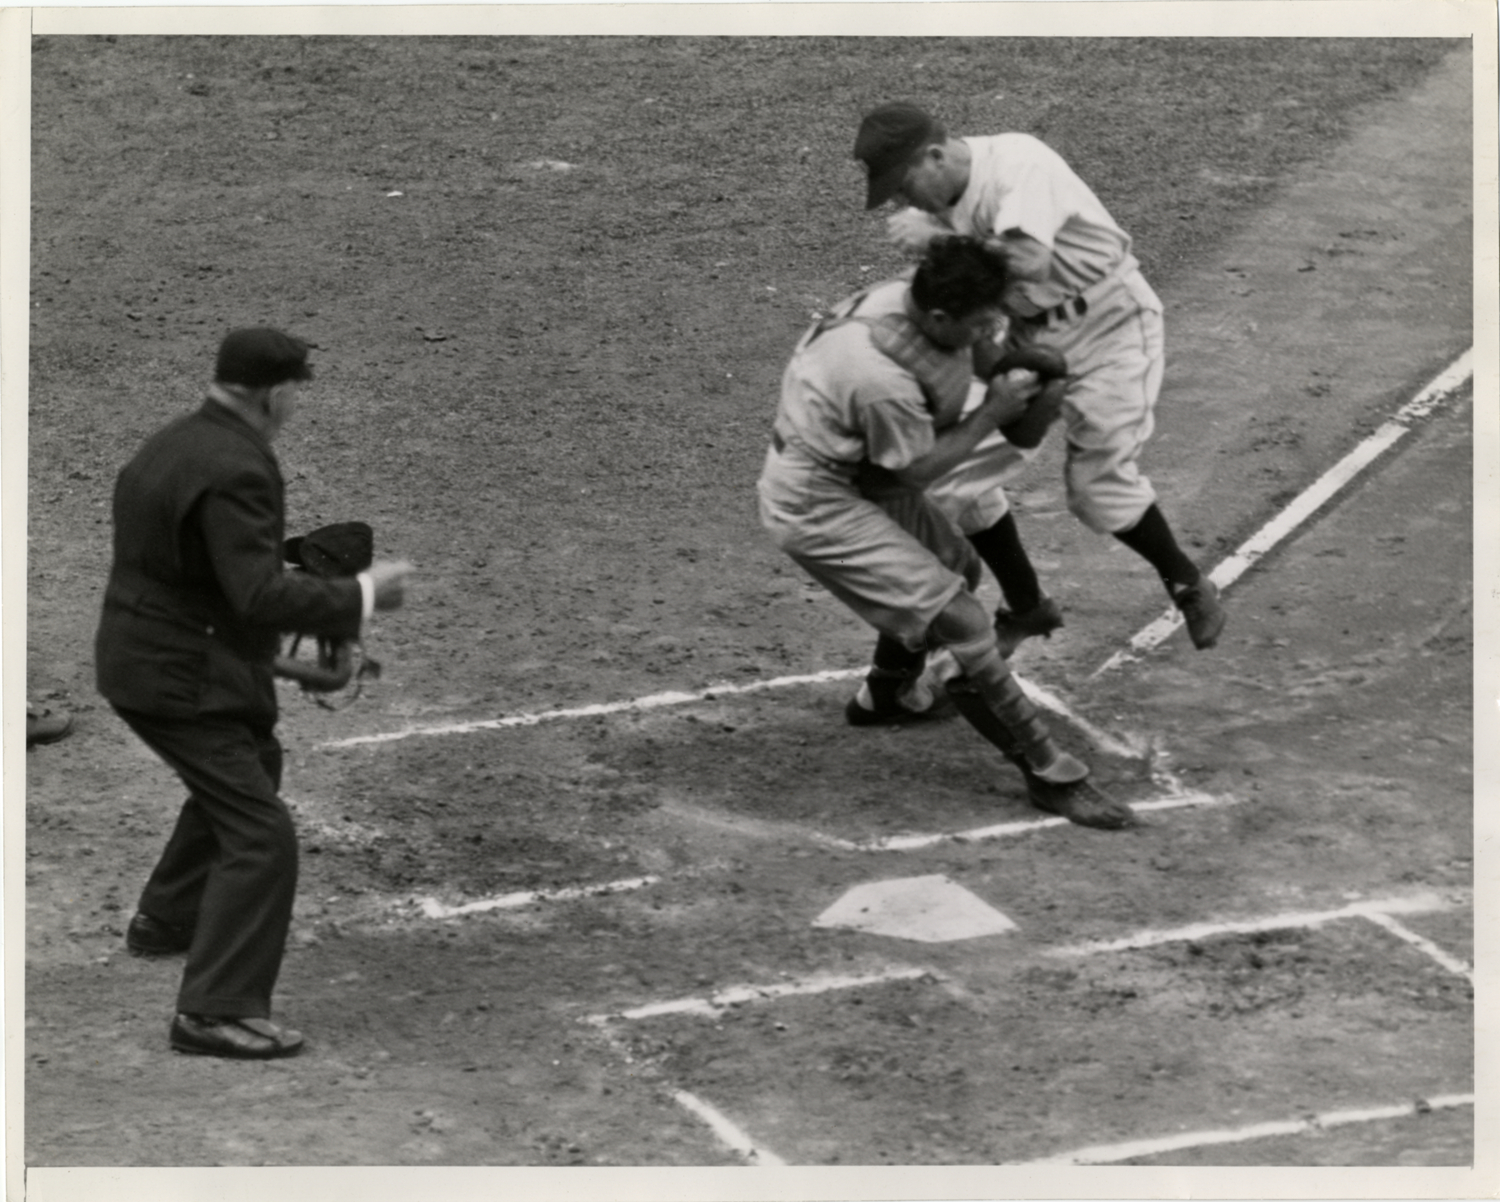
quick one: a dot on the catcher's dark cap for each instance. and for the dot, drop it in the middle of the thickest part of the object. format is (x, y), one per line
(887, 139)
(261, 357)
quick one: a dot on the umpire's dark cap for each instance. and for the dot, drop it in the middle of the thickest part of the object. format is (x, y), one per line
(260, 357)
(887, 139)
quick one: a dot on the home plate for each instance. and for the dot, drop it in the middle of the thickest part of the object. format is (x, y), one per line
(929, 909)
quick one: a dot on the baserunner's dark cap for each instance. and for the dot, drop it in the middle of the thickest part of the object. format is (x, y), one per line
(260, 357)
(887, 139)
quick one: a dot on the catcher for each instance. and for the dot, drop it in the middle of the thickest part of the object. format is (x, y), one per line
(871, 412)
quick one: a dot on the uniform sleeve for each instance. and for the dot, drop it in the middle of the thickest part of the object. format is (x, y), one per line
(1033, 199)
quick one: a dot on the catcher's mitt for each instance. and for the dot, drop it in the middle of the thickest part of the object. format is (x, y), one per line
(342, 549)
(1051, 368)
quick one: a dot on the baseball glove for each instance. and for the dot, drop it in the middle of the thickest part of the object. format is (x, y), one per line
(342, 549)
(1051, 368)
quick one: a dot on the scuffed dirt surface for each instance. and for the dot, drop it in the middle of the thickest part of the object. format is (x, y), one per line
(553, 283)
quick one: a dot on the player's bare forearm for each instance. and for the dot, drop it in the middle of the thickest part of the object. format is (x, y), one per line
(1005, 401)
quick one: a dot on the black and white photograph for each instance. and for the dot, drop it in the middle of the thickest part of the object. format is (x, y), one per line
(512, 697)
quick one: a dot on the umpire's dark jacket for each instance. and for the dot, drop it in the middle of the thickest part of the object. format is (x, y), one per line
(198, 594)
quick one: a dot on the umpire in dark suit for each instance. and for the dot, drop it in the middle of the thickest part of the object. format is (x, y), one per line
(194, 609)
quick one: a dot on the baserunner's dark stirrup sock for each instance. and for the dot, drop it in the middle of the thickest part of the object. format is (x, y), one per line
(892, 656)
(1000, 548)
(1152, 539)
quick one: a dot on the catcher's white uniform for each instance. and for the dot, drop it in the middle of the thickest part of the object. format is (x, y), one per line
(863, 397)
(1094, 306)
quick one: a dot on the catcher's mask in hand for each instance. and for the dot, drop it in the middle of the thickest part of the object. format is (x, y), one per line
(340, 549)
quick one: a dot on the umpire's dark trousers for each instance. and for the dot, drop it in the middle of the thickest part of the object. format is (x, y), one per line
(229, 871)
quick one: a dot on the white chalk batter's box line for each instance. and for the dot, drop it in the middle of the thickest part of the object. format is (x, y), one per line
(1378, 911)
(434, 908)
(739, 1141)
(1172, 797)
(1188, 1140)
(1438, 392)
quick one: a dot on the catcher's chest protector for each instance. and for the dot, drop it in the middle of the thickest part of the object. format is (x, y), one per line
(943, 376)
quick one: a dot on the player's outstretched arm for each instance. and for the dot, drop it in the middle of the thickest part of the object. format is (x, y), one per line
(1005, 400)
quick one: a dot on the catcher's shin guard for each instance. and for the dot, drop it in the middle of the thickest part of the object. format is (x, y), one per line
(1005, 716)
(1077, 800)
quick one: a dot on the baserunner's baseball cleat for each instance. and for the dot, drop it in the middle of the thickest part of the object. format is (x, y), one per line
(1011, 629)
(1201, 611)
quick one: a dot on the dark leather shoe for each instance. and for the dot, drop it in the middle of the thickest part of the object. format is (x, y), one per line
(1012, 629)
(1080, 802)
(147, 936)
(237, 1038)
(1202, 612)
(44, 726)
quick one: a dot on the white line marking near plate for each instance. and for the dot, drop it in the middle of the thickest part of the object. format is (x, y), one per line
(652, 702)
(1005, 829)
(1313, 498)
(1114, 1153)
(1425, 903)
(1452, 963)
(433, 908)
(736, 995)
(1129, 748)
(732, 1136)
(665, 700)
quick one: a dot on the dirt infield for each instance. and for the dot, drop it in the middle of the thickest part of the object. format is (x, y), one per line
(553, 283)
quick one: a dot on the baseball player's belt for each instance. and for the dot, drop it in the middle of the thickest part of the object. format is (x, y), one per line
(1078, 304)
(1074, 306)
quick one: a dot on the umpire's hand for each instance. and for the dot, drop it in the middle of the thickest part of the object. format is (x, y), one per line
(389, 578)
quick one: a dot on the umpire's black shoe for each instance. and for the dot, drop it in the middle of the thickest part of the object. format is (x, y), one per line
(235, 1038)
(1201, 612)
(147, 936)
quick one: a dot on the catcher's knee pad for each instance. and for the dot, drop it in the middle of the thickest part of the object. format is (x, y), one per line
(964, 629)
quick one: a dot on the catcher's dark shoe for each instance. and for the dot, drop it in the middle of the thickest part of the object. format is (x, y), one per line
(147, 936)
(1201, 611)
(1011, 629)
(1080, 802)
(866, 709)
(235, 1038)
(45, 726)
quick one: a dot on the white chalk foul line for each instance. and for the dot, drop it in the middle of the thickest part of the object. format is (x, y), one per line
(738, 995)
(1425, 903)
(654, 701)
(1441, 389)
(1452, 963)
(433, 908)
(732, 1137)
(1114, 1153)
(1004, 830)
